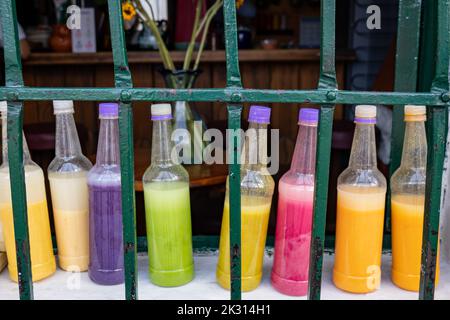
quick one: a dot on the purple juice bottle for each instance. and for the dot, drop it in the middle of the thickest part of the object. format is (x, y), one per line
(105, 207)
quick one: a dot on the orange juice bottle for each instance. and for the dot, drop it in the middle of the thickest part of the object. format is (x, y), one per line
(407, 203)
(257, 188)
(360, 211)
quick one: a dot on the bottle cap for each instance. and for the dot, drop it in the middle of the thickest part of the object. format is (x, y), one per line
(308, 116)
(3, 106)
(365, 114)
(161, 111)
(62, 106)
(415, 113)
(412, 110)
(259, 114)
(108, 110)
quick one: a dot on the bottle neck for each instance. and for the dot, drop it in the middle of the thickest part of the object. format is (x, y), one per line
(161, 143)
(414, 153)
(26, 152)
(108, 143)
(363, 154)
(254, 155)
(304, 158)
(67, 142)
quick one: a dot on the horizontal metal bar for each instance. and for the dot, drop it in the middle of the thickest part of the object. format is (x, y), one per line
(228, 95)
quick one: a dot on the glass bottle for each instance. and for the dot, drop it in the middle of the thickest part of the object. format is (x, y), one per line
(106, 264)
(408, 201)
(43, 262)
(167, 208)
(257, 188)
(360, 211)
(295, 211)
(67, 174)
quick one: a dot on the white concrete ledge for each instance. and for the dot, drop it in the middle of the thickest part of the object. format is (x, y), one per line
(65, 285)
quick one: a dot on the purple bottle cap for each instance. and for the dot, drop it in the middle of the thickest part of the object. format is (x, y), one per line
(308, 115)
(108, 110)
(161, 111)
(259, 114)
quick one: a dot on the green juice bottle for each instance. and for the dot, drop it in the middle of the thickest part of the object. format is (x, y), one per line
(167, 208)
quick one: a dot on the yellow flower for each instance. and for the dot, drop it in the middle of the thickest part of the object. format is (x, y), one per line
(239, 3)
(128, 11)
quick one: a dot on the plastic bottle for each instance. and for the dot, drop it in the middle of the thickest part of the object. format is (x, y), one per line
(106, 265)
(295, 211)
(43, 262)
(407, 203)
(257, 188)
(67, 174)
(360, 211)
(167, 208)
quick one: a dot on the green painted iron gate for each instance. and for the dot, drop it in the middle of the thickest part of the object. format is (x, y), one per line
(422, 57)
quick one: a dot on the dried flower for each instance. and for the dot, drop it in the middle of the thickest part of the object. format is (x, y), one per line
(239, 3)
(128, 11)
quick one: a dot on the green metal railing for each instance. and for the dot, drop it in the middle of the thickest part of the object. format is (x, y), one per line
(434, 40)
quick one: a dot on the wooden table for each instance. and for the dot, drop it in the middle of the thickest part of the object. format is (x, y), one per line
(3, 261)
(201, 175)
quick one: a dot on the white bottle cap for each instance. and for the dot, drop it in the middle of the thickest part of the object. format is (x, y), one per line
(161, 110)
(411, 110)
(3, 106)
(366, 111)
(62, 106)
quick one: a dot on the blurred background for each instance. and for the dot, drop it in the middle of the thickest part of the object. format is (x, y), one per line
(279, 49)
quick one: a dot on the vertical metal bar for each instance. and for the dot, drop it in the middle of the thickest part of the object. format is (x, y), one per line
(320, 201)
(327, 80)
(427, 62)
(406, 66)
(13, 76)
(122, 77)
(234, 123)
(437, 137)
(231, 45)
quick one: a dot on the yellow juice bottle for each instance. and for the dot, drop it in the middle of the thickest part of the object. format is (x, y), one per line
(408, 201)
(254, 220)
(360, 212)
(257, 188)
(41, 249)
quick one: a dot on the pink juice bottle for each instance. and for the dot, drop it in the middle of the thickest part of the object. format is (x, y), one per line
(295, 211)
